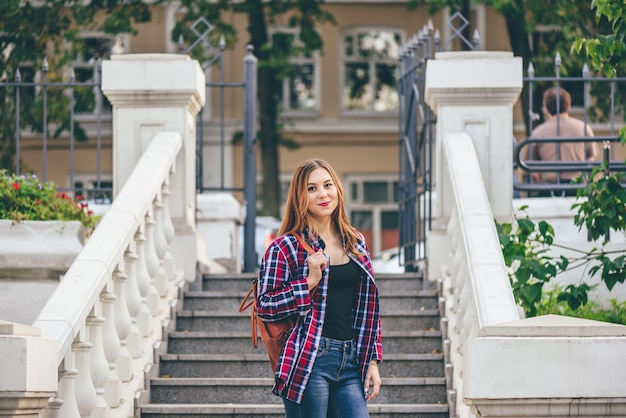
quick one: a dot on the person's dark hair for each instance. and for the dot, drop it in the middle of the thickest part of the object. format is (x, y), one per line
(550, 100)
(296, 217)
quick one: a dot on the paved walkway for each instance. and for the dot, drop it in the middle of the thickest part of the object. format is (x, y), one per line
(21, 300)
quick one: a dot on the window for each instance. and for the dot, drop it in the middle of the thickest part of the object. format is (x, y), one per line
(372, 204)
(298, 91)
(369, 69)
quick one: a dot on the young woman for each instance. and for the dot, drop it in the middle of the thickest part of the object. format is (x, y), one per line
(329, 364)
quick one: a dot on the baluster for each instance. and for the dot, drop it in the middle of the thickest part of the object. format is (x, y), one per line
(85, 392)
(149, 294)
(143, 286)
(133, 303)
(159, 237)
(168, 225)
(98, 364)
(67, 389)
(111, 347)
(122, 325)
(159, 240)
(157, 273)
(168, 230)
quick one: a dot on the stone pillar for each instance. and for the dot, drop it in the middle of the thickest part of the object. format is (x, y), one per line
(475, 92)
(220, 215)
(151, 93)
(29, 374)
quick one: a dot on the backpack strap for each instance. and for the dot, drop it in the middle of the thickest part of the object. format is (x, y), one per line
(249, 301)
(304, 244)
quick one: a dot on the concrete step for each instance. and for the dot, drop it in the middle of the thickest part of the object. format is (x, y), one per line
(208, 343)
(240, 321)
(258, 390)
(230, 300)
(376, 410)
(394, 342)
(257, 365)
(387, 283)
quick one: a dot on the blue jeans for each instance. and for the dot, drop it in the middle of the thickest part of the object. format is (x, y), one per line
(334, 388)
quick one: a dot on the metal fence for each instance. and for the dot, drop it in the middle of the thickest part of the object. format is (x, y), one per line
(597, 101)
(202, 29)
(70, 113)
(416, 136)
(55, 112)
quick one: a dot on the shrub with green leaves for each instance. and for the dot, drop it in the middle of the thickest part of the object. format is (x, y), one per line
(26, 198)
(550, 304)
(526, 250)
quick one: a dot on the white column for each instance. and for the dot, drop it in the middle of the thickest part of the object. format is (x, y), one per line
(152, 93)
(474, 92)
(28, 377)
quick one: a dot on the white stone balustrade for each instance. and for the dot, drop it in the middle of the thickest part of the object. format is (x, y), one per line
(109, 287)
(500, 365)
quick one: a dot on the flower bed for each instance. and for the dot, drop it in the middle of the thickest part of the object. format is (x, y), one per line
(41, 231)
(26, 198)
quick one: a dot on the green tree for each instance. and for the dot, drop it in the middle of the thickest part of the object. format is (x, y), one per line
(606, 51)
(33, 30)
(273, 53)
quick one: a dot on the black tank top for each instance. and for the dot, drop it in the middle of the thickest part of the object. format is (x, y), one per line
(342, 288)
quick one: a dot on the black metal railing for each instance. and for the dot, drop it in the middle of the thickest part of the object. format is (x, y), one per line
(595, 100)
(416, 123)
(202, 29)
(55, 114)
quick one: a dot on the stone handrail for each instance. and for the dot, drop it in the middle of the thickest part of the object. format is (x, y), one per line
(501, 365)
(474, 283)
(106, 313)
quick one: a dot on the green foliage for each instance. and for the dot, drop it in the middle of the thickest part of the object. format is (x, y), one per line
(26, 198)
(550, 304)
(603, 209)
(526, 249)
(56, 37)
(606, 52)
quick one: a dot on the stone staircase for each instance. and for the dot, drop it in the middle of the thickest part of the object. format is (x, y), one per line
(206, 367)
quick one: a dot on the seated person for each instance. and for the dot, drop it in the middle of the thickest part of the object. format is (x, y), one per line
(560, 125)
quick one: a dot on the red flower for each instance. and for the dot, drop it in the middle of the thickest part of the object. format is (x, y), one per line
(16, 186)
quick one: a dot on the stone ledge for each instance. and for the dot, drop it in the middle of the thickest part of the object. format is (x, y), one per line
(554, 326)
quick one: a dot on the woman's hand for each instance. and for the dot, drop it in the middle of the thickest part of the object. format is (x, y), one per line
(372, 378)
(316, 263)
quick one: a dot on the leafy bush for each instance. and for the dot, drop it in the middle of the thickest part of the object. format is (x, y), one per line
(26, 198)
(525, 247)
(550, 304)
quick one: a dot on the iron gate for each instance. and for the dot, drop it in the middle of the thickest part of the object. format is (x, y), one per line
(416, 137)
(202, 29)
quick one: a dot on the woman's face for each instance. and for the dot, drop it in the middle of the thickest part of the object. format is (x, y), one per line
(322, 194)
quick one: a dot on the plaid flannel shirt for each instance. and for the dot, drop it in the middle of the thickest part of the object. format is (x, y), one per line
(283, 291)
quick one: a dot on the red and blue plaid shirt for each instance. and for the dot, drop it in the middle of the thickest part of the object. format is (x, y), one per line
(283, 291)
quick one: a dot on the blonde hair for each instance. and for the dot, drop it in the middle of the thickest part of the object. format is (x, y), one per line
(296, 217)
